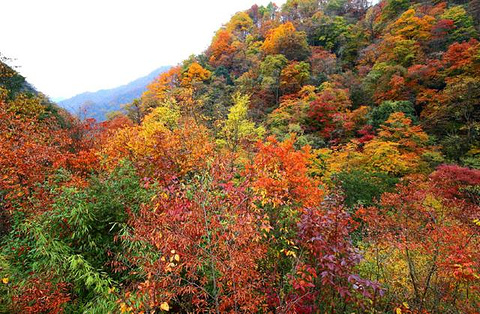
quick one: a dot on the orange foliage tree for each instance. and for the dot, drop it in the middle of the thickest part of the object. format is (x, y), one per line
(428, 232)
(203, 241)
(287, 41)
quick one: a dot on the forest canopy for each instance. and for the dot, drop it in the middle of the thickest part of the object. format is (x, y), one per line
(321, 156)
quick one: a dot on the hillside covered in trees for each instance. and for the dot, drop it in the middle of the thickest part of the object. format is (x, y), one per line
(318, 157)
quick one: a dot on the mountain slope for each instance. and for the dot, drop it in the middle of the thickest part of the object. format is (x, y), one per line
(98, 104)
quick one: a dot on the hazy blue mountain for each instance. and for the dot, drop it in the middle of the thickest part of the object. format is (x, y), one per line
(98, 104)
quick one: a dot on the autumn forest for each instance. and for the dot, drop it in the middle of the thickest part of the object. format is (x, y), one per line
(318, 157)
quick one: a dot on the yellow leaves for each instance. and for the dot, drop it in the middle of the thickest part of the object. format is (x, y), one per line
(412, 26)
(238, 128)
(334, 161)
(398, 310)
(166, 115)
(164, 306)
(396, 150)
(477, 222)
(195, 73)
(111, 290)
(161, 151)
(289, 253)
(289, 242)
(385, 157)
(399, 128)
(124, 308)
(172, 261)
(431, 201)
(174, 257)
(240, 22)
(5, 280)
(27, 106)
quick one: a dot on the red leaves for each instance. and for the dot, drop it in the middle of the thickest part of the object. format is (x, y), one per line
(449, 180)
(279, 173)
(327, 271)
(432, 223)
(208, 242)
(327, 112)
(441, 28)
(41, 296)
(323, 115)
(461, 56)
(30, 150)
(221, 49)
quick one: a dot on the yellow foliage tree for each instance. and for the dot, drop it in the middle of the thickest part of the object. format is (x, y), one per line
(195, 74)
(237, 128)
(396, 150)
(164, 146)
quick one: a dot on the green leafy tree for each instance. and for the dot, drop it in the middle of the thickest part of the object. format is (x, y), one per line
(237, 128)
(464, 28)
(270, 70)
(378, 115)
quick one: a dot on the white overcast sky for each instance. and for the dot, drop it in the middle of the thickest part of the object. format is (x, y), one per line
(65, 47)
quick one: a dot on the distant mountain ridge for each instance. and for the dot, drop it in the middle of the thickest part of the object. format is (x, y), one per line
(98, 104)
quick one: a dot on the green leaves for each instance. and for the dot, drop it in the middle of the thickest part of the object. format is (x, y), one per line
(238, 129)
(378, 115)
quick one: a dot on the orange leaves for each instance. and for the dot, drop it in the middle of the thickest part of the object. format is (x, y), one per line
(160, 152)
(279, 174)
(463, 57)
(274, 36)
(287, 41)
(221, 49)
(397, 90)
(30, 151)
(398, 147)
(177, 86)
(406, 37)
(411, 25)
(399, 128)
(240, 24)
(294, 76)
(428, 223)
(195, 74)
(208, 252)
(161, 88)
